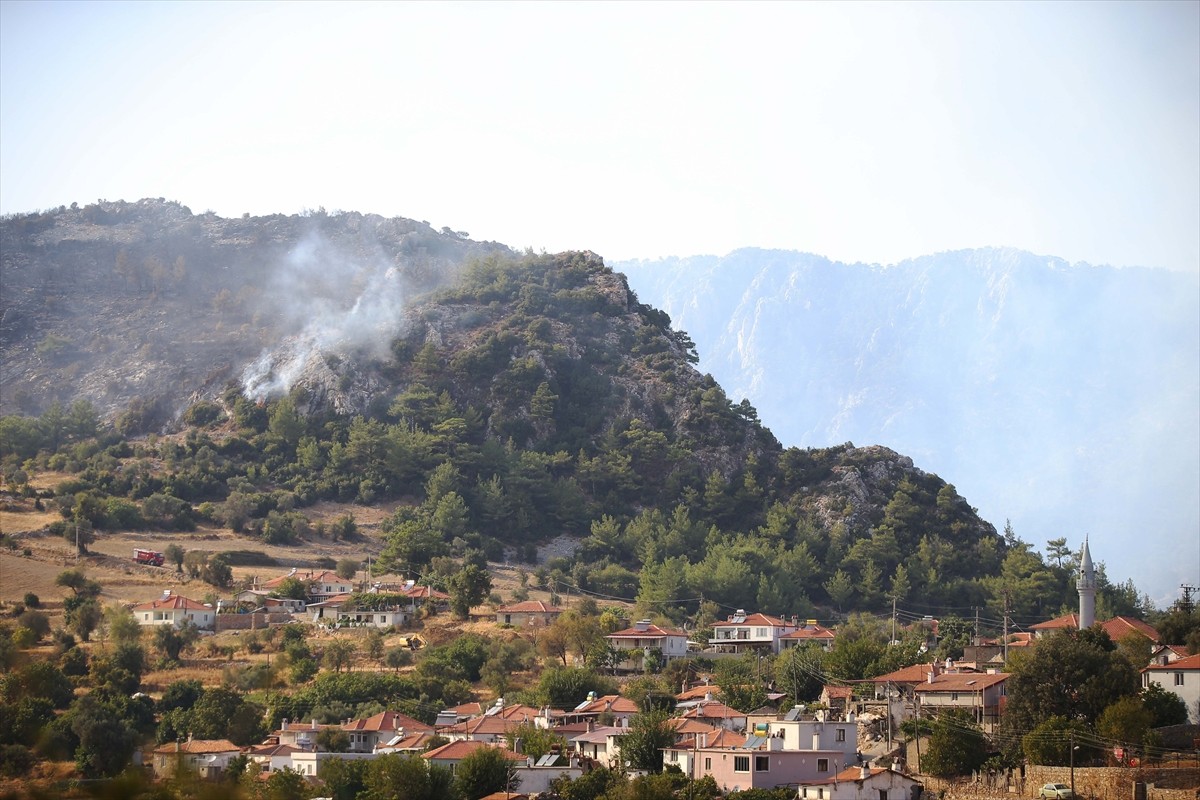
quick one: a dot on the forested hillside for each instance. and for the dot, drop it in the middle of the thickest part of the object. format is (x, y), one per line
(503, 399)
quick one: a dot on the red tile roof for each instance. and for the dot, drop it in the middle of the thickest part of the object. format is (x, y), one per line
(961, 682)
(609, 703)
(1065, 621)
(175, 602)
(388, 721)
(456, 751)
(650, 632)
(713, 710)
(1190, 662)
(917, 673)
(1120, 627)
(811, 632)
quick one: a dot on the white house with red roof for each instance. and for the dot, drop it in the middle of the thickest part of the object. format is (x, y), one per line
(1182, 679)
(451, 755)
(637, 642)
(177, 610)
(367, 734)
(862, 783)
(749, 633)
(809, 633)
(321, 585)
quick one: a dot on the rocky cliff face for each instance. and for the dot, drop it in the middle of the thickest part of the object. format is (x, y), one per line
(147, 302)
(1061, 396)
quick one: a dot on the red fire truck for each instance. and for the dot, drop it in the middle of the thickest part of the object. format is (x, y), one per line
(152, 557)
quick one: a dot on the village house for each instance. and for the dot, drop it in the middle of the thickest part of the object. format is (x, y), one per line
(176, 610)
(714, 712)
(301, 735)
(321, 585)
(809, 633)
(451, 755)
(637, 642)
(368, 734)
(798, 732)
(751, 633)
(272, 757)
(208, 758)
(764, 764)
(308, 762)
(612, 708)
(601, 743)
(1182, 679)
(259, 598)
(862, 783)
(528, 613)
(983, 694)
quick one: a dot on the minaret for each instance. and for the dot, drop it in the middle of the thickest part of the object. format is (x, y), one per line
(1086, 584)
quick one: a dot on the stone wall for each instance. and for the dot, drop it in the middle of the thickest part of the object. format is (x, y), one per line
(1174, 782)
(244, 622)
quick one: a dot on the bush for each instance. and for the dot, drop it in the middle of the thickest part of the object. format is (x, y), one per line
(32, 600)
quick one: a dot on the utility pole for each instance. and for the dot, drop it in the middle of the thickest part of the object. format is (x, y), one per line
(976, 626)
(1006, 626)
(1072, 763)
(1185, 604)
(893, 618)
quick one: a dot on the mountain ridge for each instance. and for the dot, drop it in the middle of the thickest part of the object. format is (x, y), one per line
(961, 359)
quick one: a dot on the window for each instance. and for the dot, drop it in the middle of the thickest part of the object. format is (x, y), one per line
(883, 794)
(741, 763)
(954, 697)
(841, 735)
(708, 765)
(1179, 679)
(762, 763)
(508, 619)
(822, 765)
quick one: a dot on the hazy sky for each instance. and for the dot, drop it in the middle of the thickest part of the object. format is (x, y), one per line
(857, 131)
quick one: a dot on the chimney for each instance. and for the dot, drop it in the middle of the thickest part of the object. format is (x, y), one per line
(285, 722)
(591, 725)
(314, 723)
(864, 772)
(519, 745)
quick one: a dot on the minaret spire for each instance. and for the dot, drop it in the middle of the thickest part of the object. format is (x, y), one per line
(1086, 584)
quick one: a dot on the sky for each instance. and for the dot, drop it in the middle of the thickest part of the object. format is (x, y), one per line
(859, 131)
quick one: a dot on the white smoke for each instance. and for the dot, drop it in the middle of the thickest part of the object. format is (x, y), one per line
(326, 303)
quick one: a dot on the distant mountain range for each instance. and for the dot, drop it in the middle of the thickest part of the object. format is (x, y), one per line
(1063, 397)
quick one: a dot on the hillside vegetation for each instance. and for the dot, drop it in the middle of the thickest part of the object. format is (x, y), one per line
(504, 399)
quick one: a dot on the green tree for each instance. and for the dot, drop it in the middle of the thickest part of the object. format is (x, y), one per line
(468, 587)
(840, 589)
(484, 771)
(344, 779)
(1072, 674)
(175, 554)
(535, 741)
(333, 740)
(1050, 742)
(339, 653)
(1126, 720)
(956, 747)
(648, 734)
(347, 568)
(171, 641)
(1166, 708)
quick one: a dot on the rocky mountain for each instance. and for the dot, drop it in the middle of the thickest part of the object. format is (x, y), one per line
(1062, 396)
(503, 398)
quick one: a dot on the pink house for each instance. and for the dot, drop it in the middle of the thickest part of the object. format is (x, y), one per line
(765, 767)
